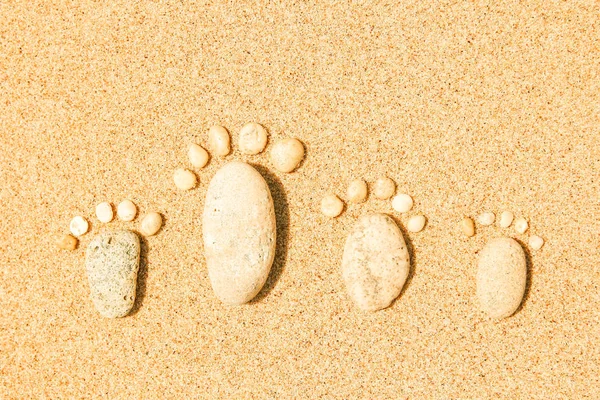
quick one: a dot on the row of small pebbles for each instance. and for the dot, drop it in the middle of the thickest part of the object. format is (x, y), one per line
(506, 220)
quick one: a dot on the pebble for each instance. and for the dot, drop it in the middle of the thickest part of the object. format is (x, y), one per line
(253, 138)
(239, 232)
(287, 154)
(357, 191)
(151, 224)
(79, 226)
(112, 262)
(416, 223)
(486, 218)
(375, 263)
(384, 188)
(536, 242)
(184, 179)
(198, 156)
(468, 226)
(402, 203)
(521, 225)
(501, 277)
(219, 141)
(506, 219)
(104, 212)
(126, 210)
(67, 242)
(332, 206)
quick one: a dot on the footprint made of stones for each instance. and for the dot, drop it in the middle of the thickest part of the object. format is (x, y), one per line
(239, 226)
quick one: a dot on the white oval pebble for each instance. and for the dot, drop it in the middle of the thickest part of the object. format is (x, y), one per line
(198, 155)
(126, 210)
(501, 277)
(239, 231)
(402, 203)
(253, 138)
(486, 218)
(506, 219)
(151, 224)
(286, 154)
(332, 206)
(104, 212)
(357, 191)
(521, 225)
(184, 179)
(536, 242)
(79, 226)
(416, 223)
(219, 141)
(112, 262)
(376, 262)
(384, 188)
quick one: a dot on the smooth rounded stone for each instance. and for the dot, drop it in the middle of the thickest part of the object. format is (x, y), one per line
(384, 188)
(416, 223)
(151, 224)
(402, 203)
(468, 226)
(112, 262)
(104, 212)
(184, 179)
(239, 231)
(67, 242)
(506, 219)
(198, 155)
(253, 138)
(486, 218)
(501, 277)
(219, 141)
(79, 226)
(126, 210)
(376, 262)
(536, 242)
(287, 154)
(357, 191)
(332, 206)
(521, 225)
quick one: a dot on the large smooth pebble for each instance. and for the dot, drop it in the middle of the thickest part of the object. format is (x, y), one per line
(501, 277)
(112, 261)
(239, 229)
(376, 262)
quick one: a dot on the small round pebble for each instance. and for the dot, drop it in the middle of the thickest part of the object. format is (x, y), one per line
(126, 210)
(357, 191)
(286, 154)
(219, 142)
(150, 224)
(332, 206)
(78, 226)
(253, 138)
(67, 242)
(402, 203)
(521, 225)
(486, 218)
(104, 212)
(468, 226)
(536, 242)
(184, 179)
(197, 155)
(416, 223)
(384, 188)
(506, 219)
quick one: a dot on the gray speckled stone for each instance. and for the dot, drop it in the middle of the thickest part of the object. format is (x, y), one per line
(112, 263)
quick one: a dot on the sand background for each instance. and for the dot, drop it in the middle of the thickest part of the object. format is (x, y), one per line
(468, 106)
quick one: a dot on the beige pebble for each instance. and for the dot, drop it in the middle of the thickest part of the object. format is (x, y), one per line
(253, 138)
(104, 212)
(126, 210)
(486, 218)
(536, 242)
(416, 223)
(468, 226)
(286, 154)
(79, 226)
(521, 225)
(402, 203)
(184, 179)
(384, 188)
(332, 206)
(151, 224)
(357, 191)
(198, 156)
(506, 219)
(67, 242)
(219, 141)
